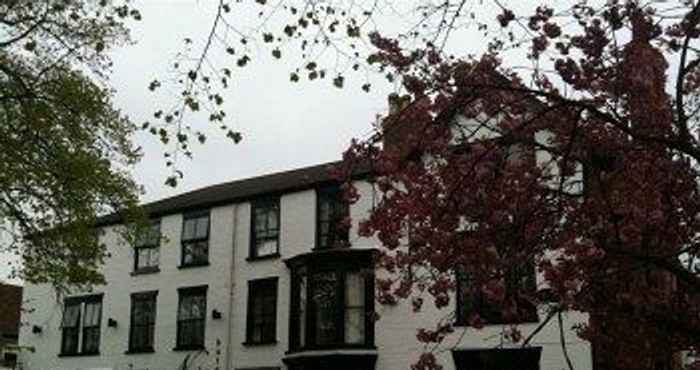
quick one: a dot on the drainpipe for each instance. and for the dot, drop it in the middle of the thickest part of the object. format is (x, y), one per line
(232, 283)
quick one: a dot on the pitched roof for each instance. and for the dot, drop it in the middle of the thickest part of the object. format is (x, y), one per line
(236, 191)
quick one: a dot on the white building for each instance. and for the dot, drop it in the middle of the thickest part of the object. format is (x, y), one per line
(245, 275)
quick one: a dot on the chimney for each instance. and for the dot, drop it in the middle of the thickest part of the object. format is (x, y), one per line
(394, 131)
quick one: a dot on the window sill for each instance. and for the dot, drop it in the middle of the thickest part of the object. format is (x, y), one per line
(262, 258)
(79, 354)
(331, 248)
(139, 351)
(192, 265)
(260, 344)
(335, 347)
(145, 271)
(189, 348)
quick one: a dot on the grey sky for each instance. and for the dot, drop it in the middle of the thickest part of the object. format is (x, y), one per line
(284, 125)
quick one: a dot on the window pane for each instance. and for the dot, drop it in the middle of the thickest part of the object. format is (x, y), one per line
(91, 340)
(202, 227)
(188, 229)
(71, 314)
(154, 259)
(198, 309)
(149, 236)
(354, 290)
(138, 313)
(266, 247)
(325, 210)
(195, 252)
(183, 312)
(272, 218)
(354, 325)
(260, 220)
(325, 299)
(69, 342)
(302, 310)
(147, 257)
(92, 314)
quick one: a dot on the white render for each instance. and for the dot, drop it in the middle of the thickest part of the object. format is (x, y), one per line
(227, 277)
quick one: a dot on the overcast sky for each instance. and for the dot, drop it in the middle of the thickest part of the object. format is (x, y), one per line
(284, 125)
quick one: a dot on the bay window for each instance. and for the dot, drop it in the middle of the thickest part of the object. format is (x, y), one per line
(332, 300)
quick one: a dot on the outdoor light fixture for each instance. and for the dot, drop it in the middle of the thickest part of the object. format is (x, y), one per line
(216, 315)
(112, 323)
(36, 329)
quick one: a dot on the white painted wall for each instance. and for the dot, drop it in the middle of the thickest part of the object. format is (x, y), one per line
(45, 310)
(228, 285)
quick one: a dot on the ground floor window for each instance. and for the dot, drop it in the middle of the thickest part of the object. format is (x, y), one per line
(80, 326)
(261, 325)
(498, 359)
(143, 321)
(191, 317)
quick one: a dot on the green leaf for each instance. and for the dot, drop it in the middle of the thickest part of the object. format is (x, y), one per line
(235, 136)
(338, 82)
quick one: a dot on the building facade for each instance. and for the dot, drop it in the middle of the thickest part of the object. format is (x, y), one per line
(258, 274)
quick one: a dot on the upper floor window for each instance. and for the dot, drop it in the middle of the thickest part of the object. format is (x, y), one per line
(191, 317)
(519, 282)
(143, 320)
(195, 239)
(332, 302)
(147, 249)
(80, 327)
(265, 227)
(332, 214)
(262, 311)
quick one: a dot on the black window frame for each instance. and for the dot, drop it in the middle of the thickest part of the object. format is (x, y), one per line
(272, 234)
(150, 245)
(180, 343)
(195, 240)
(146, 328)
(264, 292)
(518, 358)
(80, 331)
(338, 235)
(340, 263)
(490, 312)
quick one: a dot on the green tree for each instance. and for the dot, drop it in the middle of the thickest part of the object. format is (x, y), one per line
(64, 149)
